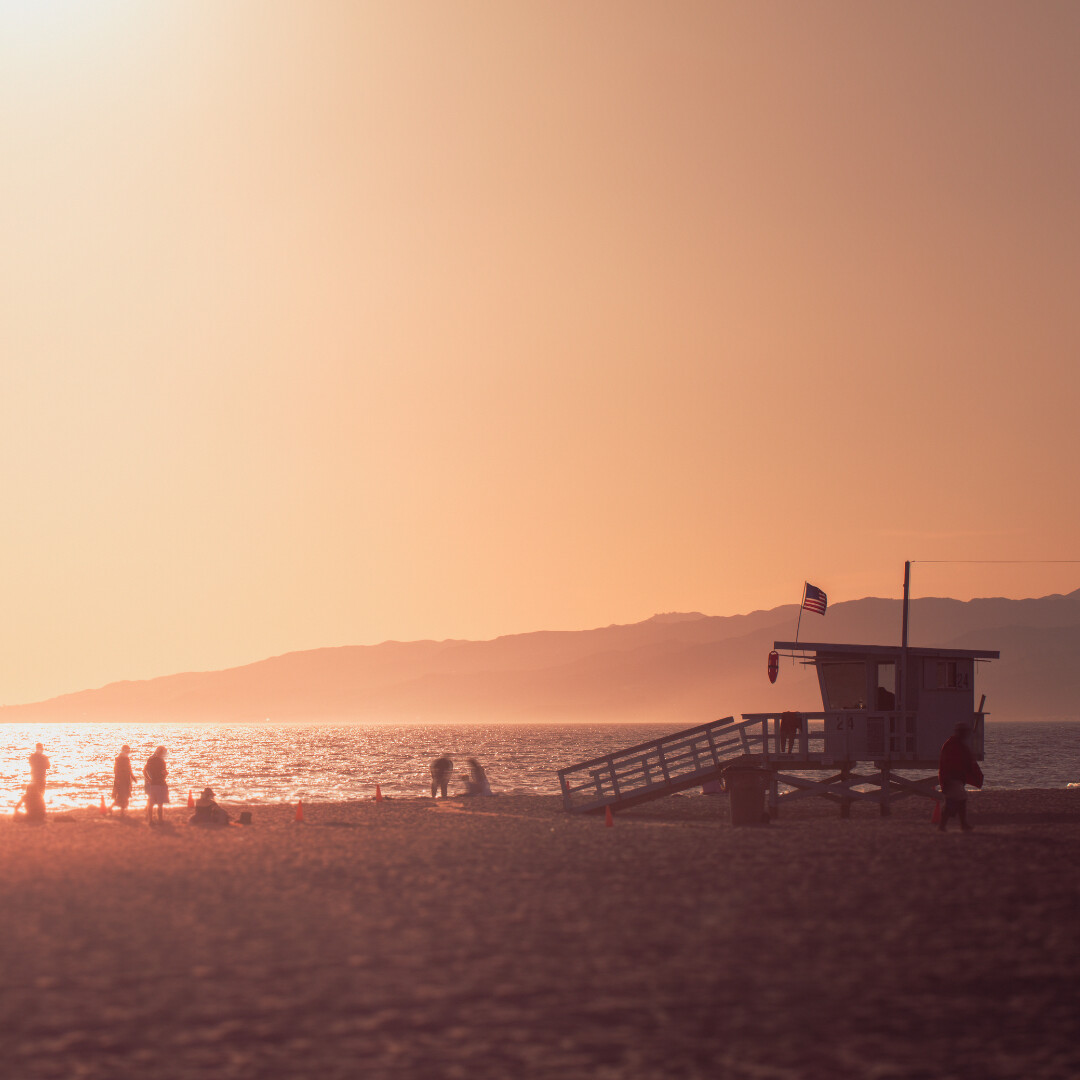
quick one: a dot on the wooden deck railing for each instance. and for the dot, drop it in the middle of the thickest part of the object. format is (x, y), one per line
(884, 735)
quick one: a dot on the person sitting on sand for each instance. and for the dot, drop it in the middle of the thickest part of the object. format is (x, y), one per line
(39, 766)
(33, 802)
(207, 811)
(477, 783)
(441, 768)
(155, 773)
(123, 778)
(957, 767)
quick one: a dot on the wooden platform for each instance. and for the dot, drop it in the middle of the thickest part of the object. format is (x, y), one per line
(694, 756)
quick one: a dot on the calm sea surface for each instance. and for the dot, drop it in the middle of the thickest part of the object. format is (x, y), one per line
(282, 763)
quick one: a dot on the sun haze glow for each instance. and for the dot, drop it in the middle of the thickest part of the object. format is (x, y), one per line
(330, 323)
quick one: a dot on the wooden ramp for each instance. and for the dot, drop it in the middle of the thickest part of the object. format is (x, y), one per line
(652, 770)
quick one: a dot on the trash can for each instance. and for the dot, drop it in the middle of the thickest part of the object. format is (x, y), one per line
(747, 785)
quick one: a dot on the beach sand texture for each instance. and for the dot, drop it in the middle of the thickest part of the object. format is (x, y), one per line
(503, 937)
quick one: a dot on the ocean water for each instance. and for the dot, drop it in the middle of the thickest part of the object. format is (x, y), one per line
(317, 763)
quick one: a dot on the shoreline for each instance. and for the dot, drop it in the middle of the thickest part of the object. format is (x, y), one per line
(178, 811)
(497, 937)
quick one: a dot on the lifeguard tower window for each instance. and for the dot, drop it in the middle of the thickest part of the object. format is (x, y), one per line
(886, 687)
(845, 684)
(943, 675)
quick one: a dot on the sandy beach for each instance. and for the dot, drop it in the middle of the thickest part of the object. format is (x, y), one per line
(503, 937)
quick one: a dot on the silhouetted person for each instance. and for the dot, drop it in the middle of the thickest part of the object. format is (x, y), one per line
(477, 784)
(957, 767)
(207, 811)
(33, 804)
(39, 766)
(123, 779)
(790, 725)
(441, 768)
(155, 773)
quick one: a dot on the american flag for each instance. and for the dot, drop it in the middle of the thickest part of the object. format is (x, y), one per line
(815, 599)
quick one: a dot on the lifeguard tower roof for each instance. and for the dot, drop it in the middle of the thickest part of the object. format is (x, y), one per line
(883, 650)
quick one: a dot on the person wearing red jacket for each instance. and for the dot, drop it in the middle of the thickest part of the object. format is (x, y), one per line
(957, 768)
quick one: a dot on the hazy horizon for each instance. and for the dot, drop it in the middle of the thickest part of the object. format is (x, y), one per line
(514, 633)
(680, 667)
(535, 630)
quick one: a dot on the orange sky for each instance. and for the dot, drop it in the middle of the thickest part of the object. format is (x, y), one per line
(325, 323)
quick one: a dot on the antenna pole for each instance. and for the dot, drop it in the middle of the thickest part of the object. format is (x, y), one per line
(903, 628)
(903, 641)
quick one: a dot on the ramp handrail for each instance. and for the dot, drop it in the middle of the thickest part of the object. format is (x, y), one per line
(660, 767)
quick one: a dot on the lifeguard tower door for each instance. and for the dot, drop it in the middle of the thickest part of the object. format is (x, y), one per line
(946, 698)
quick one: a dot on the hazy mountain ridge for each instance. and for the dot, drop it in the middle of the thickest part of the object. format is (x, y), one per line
(672, 667)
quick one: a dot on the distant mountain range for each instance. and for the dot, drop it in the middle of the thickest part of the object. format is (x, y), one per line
(676, 667)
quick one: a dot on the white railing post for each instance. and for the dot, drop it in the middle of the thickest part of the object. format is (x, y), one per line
(614, 778)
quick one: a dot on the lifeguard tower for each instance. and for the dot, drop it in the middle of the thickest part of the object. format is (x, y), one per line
(889, 707)
(886, 710)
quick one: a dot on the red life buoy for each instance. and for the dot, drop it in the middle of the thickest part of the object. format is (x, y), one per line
(774, 665)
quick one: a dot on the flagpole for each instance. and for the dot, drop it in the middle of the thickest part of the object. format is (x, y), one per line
(799, 623)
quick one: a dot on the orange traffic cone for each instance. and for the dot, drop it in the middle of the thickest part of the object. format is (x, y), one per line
(190, 800)
(103, 811)
(299, 810)
(609, 821)
(378, 793)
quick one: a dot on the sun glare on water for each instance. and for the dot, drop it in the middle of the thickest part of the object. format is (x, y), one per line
(283, 762)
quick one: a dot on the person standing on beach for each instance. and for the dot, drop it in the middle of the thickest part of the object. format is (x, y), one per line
(39, 766)
(790, 725)
(123, 778)
(957, 768)
(441, 768)
(155, 773)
